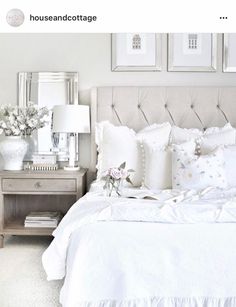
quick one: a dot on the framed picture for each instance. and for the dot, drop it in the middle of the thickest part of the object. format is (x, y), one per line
(136, 52)
(192, 52)
(229, 52)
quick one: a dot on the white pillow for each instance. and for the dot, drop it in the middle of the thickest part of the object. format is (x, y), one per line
(214, 137)
(198, 172)
(181, 135)
(214, 130)
(118, 144)
(158, 164)
(158, 134)
(221, 135)
(157, 167)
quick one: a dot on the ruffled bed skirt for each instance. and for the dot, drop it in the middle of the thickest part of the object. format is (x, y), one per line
(163, 302)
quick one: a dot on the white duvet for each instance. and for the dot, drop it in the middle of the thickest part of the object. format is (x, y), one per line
(176, 251)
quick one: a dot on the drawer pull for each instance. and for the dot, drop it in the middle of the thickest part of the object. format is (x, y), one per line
(38, 185)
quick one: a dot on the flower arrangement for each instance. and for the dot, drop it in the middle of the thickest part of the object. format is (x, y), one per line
(17, 121)
(114, 177)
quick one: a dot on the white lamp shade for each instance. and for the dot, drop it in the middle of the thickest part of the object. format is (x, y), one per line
(71, 119)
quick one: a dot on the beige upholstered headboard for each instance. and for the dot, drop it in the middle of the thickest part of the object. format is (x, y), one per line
(138, 106)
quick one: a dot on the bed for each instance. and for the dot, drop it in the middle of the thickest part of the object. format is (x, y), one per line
(176, 249)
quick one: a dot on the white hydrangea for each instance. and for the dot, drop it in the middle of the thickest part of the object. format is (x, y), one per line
(22, 121)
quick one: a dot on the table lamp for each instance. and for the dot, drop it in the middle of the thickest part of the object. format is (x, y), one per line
(71, 119)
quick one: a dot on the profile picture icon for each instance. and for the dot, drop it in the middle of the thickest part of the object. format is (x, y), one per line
(15, 17)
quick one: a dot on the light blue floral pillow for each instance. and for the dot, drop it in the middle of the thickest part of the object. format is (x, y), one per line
(198, 172)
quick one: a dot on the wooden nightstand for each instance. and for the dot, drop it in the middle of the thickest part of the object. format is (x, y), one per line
(25, 191)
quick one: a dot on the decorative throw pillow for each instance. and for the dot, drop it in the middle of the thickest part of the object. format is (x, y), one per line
(158, 164)
(198, 172)
(118, 144)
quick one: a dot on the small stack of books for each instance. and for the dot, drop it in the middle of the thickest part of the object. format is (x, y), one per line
(47, 219)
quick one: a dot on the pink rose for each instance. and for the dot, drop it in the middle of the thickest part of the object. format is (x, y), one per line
(115, 173)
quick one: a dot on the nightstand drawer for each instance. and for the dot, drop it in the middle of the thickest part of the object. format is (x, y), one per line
(35, 185)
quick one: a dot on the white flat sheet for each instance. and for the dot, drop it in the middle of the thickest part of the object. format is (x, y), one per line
(111, 259)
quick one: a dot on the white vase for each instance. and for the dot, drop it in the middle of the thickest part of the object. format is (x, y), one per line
(114, 190)
(13, 150)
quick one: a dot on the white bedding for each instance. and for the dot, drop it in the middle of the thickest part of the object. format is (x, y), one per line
(178, 251)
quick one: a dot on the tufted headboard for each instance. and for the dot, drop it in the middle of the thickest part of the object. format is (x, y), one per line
(139, 106)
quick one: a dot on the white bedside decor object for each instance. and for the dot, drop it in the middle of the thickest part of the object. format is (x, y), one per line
(72, 119)
(44, 158)
(13, 150)
(15, 123)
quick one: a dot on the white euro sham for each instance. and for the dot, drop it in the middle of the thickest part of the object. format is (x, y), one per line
(118, 144)
(214, 137)
(209, 139)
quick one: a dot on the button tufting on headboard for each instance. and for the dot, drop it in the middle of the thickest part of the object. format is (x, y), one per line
(137, 107)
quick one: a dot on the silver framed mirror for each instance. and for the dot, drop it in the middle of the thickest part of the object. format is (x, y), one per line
(47, 89)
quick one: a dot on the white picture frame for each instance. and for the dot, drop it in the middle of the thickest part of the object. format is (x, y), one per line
(136, 52)
(229, 52)
(192, 52)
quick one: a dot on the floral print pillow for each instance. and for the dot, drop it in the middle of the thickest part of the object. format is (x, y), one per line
(198, 172)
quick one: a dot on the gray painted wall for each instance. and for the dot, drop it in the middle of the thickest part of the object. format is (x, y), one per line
(90, 55)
